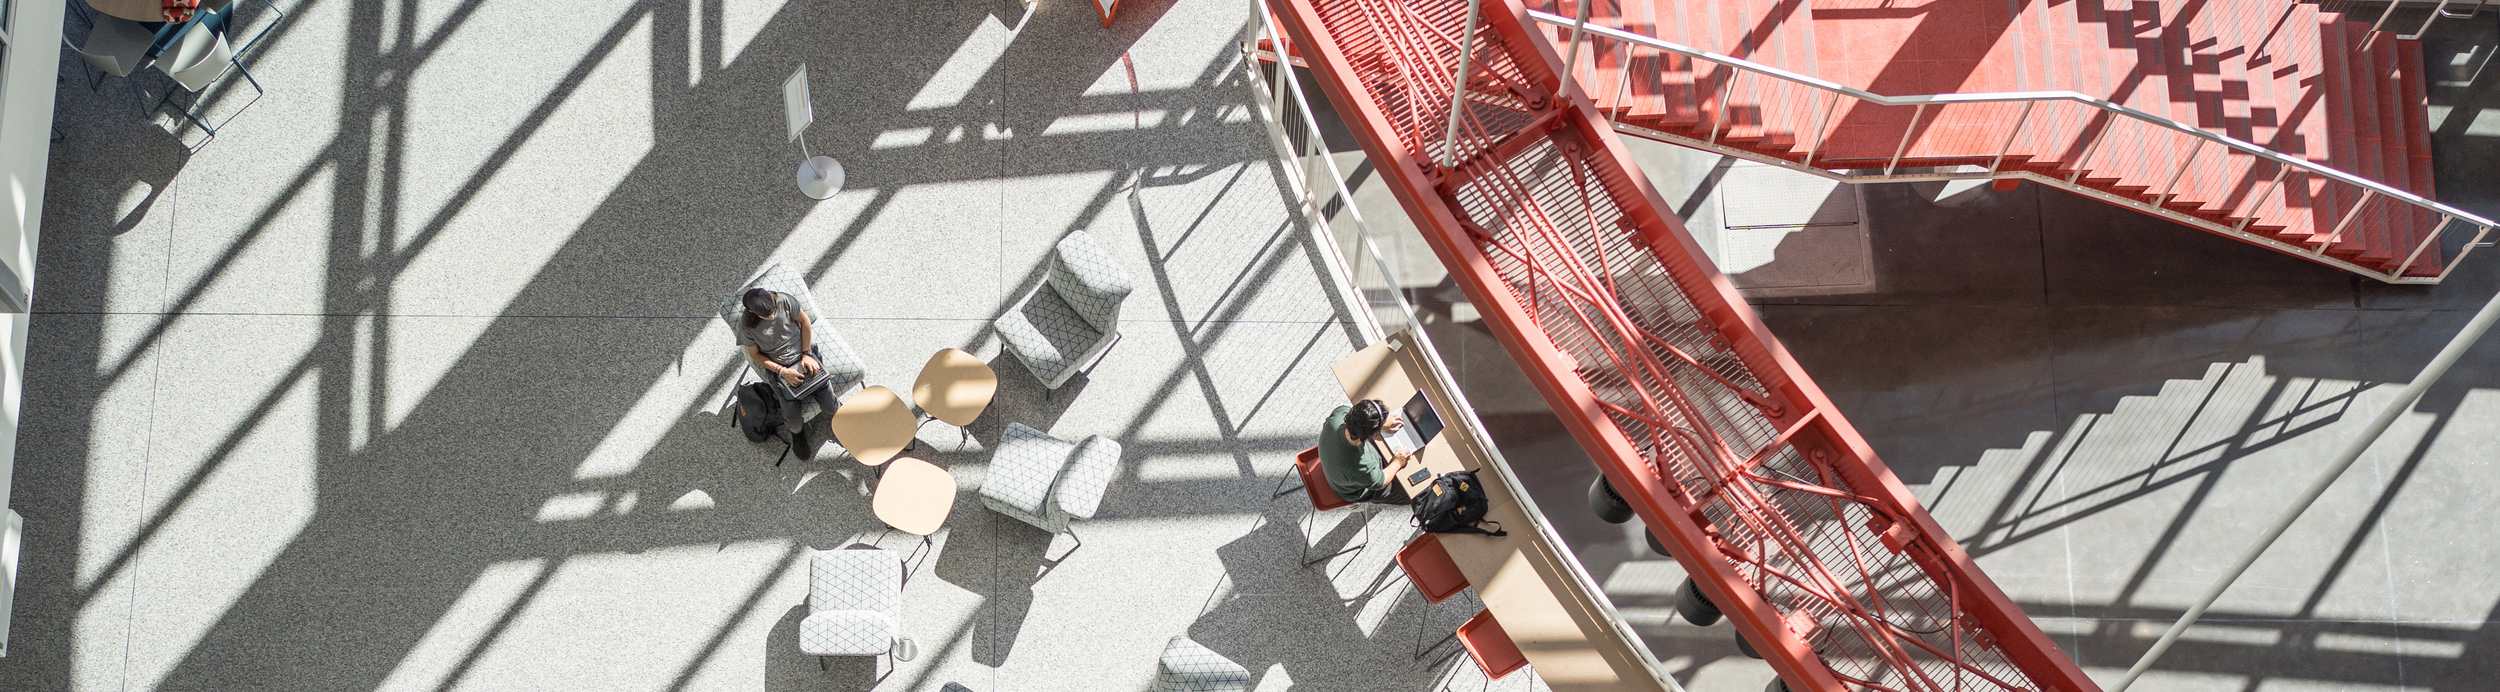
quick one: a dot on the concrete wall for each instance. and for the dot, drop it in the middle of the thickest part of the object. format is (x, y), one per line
(33, 61)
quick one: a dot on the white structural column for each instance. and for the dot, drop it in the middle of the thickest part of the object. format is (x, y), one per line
(28, 62)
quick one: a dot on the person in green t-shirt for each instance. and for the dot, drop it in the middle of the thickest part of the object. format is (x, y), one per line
(1350, 460)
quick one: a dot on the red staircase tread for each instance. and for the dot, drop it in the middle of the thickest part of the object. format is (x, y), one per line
(2362, 127)
(2412, 97)
(2334, 118)
(2386, 153)
(2285, 75)
(2394, 163)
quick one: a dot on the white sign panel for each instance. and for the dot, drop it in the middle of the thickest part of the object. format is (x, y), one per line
(794, 102)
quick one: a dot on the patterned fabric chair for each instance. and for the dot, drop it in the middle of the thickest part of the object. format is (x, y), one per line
(849, 372)
(1046, 481)
(1073, 317)
(1188, 666)
(854, 602)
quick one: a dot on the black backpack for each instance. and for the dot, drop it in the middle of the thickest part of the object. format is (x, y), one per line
(1454, 503)
(758, 412)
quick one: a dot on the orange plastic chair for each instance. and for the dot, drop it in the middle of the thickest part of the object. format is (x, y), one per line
(1435, 575)
(1323, 498)
(1490, 646)
(1315, 481)
(1429, 565)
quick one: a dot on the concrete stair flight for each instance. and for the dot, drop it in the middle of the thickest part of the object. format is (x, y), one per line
(2286, 77)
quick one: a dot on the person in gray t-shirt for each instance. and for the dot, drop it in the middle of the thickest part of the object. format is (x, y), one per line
(780, 338)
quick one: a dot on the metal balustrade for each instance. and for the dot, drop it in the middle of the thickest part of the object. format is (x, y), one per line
(2062, 139)
(2437, 12)
(1691, 409)
(1370, 274)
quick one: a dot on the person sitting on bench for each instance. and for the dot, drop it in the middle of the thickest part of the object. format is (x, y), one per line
(1351, 460)
(780, 339)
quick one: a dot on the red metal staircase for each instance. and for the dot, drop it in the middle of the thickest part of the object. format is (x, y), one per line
(1771, 501)
(2270, 122)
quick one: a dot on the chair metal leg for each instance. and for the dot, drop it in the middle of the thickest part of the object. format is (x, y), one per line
(138, 101)
(1106, 353)
(1365, 541)
(1049, 564)
(247, 76)
(1281, 490)
(257, 92)
(182, 109)
(918, 550)
(264, 31)
(1424, 624)
(95, 82)
(1307, 538)
(1449, 676)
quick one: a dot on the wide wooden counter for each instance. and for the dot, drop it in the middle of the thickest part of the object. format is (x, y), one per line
(1521, 578)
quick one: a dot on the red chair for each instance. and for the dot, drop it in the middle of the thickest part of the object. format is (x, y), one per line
(1323, 498)
(1435, 575)
(1490, 646)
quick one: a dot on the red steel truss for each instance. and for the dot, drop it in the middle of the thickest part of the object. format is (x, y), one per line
(1741, 466)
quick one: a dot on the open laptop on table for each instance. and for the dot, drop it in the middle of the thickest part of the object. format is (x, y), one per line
(1422, 425)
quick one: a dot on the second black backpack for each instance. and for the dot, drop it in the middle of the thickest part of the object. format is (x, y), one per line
(1454, 503)
(759, 411)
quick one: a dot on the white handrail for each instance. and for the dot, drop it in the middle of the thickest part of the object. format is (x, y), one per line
(2381, 189)
(1288, 90)
(2436, 13)
(1458, 84)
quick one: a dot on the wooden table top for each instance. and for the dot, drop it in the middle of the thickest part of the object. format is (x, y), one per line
(1374, 373)
(874, 425)
(955, 387)
(914, 496)
(1559, 625)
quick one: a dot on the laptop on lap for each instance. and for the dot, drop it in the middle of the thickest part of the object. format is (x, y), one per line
(807, 385)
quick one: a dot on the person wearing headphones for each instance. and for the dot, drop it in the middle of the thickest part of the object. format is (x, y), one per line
(780, 338)
(1352, 461)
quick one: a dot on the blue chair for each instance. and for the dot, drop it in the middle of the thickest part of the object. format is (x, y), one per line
(196, 56)
(220, 7)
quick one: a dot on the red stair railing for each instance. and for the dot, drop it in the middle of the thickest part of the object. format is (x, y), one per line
(1664, 91)
(1758, 486)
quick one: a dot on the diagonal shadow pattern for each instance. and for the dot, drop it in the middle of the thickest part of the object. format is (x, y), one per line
(415, 507)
